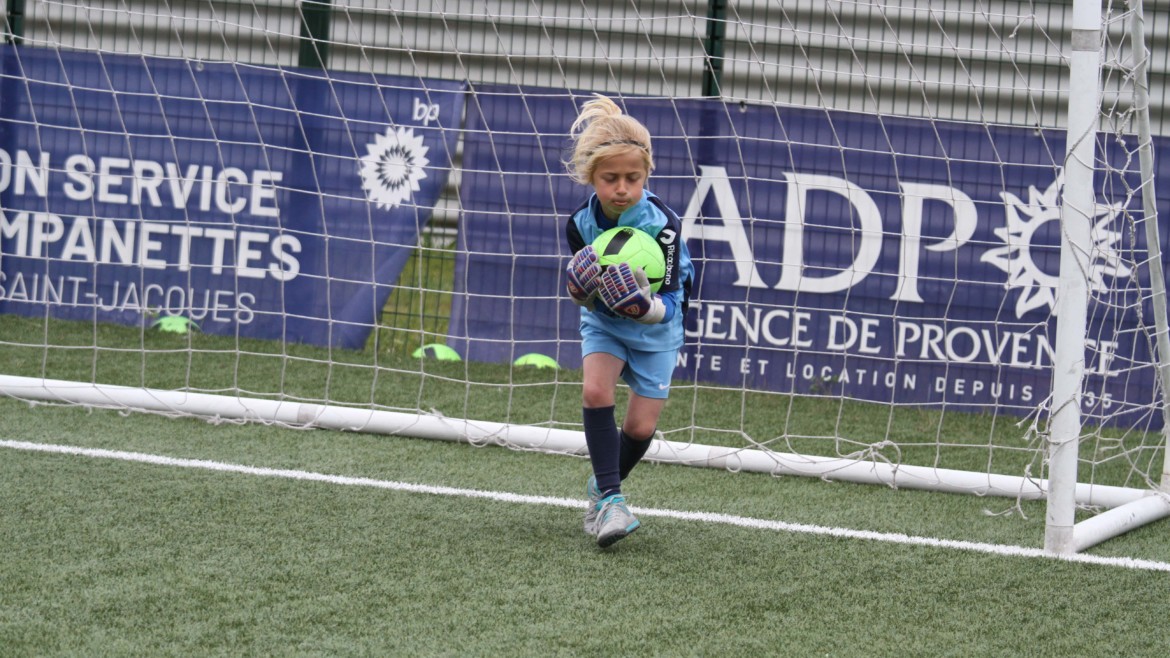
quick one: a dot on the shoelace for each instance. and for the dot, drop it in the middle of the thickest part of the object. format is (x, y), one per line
(608, 509)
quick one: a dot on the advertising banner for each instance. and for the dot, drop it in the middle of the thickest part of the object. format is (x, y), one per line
(895, 260)
(255, 201)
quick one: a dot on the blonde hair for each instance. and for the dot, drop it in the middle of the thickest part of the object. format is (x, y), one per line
(602, 131)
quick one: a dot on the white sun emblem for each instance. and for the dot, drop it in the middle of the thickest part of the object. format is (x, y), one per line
(1024, 219)
(392, 167)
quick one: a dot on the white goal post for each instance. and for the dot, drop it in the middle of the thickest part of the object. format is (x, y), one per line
(927, 238)
(1078, 215)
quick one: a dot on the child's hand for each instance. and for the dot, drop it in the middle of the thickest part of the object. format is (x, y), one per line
(627, 292)
(584, 275)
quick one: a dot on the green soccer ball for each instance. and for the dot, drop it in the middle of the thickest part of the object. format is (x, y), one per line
(623, 244)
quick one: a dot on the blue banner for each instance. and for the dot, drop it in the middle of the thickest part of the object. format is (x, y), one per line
(841, 254)
(258, 202)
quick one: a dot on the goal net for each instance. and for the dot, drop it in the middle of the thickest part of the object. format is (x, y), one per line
(926, 237)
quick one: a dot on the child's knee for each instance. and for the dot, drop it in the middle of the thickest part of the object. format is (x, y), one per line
(594, 396)
(639, 430)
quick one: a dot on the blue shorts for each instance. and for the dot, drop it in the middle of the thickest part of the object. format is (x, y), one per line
(647, 373)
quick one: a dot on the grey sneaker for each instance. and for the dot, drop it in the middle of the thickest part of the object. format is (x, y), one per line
(614, 520)
(591, 512)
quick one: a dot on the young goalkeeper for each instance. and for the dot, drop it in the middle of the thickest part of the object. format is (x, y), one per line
(627, 331)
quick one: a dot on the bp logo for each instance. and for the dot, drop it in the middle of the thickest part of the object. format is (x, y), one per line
(1026, 221)
(393, 166)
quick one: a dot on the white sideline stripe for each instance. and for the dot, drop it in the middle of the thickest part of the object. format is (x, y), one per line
(705, 517)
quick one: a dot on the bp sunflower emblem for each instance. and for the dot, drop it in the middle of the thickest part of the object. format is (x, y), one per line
(392, 167)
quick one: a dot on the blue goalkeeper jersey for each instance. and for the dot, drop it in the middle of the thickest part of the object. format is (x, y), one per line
(653, 216)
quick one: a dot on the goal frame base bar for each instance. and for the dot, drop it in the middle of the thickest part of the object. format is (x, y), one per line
(1127, 508)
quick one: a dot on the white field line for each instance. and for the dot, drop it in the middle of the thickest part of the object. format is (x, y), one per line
(704, 517)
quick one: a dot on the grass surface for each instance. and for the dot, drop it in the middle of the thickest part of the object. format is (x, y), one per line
(105, 557)
(110, 557)
(392, 380)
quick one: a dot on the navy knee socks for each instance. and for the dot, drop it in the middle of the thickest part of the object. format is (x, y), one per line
(632, 451)
(612, 453)
(601, 435)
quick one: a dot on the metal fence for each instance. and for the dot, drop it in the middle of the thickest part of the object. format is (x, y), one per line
(994, 61)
